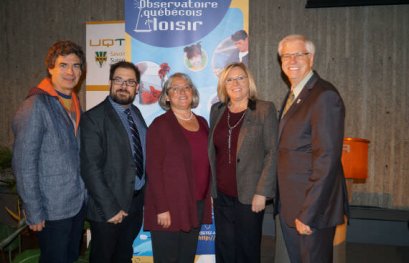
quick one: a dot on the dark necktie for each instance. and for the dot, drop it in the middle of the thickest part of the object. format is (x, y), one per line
(136, 145)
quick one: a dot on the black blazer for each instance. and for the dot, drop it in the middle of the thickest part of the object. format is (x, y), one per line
(107, 167)
(310, 176)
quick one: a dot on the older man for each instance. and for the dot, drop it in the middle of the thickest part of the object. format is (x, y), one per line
(312, 191)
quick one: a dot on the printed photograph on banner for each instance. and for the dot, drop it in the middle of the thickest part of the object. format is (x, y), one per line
(152, 78)
(195, 57)
(234, 48)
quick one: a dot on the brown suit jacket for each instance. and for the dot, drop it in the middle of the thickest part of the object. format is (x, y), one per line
(256, 150)
(310, 175)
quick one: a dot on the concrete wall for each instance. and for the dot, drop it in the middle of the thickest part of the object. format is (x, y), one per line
(362, 50)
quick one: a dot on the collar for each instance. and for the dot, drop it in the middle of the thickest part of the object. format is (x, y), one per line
(242, 54)
(299, 87)
(47, 86)
(118, 107)
(251, 104)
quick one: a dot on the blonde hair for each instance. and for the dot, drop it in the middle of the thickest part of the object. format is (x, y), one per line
(221, 85)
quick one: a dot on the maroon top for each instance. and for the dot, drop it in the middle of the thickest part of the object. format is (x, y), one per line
(171, 184)
(226, 172)
(201, 167)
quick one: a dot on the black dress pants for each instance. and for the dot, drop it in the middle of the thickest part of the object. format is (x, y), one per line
(112, 243)
(238, 231)
(176, 246)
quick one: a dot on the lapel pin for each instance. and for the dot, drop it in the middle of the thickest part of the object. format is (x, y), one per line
(298, 101)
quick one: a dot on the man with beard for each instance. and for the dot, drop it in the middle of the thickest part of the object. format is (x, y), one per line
(112, 166)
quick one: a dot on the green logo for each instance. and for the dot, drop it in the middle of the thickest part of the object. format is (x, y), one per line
(100, 57)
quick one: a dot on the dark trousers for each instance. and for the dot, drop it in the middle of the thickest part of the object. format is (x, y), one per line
(60, 240)
(315, 248)
(238, 231)
(176, 247)
(112, 243)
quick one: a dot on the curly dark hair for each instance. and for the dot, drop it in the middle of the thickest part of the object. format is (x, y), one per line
(64, 48)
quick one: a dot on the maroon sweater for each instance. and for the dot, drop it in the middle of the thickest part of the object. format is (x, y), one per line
(201, 167)
(226, 172)
(171, 183)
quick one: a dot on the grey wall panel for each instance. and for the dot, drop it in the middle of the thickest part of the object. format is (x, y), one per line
(363, 51)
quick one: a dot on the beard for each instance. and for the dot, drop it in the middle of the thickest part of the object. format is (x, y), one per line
(122, 99)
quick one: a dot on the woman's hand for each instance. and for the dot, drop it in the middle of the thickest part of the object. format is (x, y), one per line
(164, 219)
(258, 204)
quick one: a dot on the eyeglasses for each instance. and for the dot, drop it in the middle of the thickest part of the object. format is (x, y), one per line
(129, 83)
(298, 55)
(230, 81)
(179, 90)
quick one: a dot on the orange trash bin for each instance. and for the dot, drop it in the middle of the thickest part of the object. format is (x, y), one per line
(355, 158)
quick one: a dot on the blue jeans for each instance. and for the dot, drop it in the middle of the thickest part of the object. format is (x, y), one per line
(60, 240)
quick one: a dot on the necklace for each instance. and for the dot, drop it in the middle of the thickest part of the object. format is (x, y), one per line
(231, 130)
(182, 118)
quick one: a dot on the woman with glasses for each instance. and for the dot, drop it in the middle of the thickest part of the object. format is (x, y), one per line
(177, 197)
(242, 153)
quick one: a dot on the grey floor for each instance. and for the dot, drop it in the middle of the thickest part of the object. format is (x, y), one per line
(355, 252)
(374, 235)
(372, 249)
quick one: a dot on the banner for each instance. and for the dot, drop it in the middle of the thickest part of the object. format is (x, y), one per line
(195, 37)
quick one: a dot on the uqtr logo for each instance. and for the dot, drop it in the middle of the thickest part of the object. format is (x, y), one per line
(100, 57)
(106, 42)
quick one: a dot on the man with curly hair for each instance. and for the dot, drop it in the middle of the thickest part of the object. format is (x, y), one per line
(46, 156)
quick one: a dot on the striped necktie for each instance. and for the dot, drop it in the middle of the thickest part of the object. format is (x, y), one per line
(136, 144)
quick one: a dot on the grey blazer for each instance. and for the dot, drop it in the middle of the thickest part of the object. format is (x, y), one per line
(46, 160)
(107, 166)
(256, 150)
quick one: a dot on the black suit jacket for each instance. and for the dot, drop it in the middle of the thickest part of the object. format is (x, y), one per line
(107, 167)
(310, 175)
